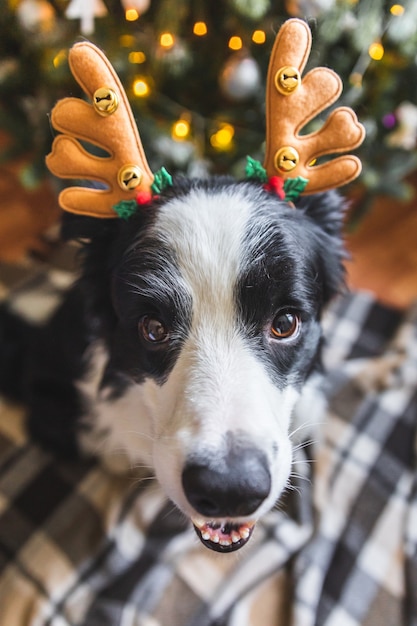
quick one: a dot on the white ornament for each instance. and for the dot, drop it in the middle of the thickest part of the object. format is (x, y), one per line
(240, 77)
(177, 58)
(405, 136)
(86, 11)
(35, 15)
(178, 152)
(253, 9)
(308, 8)
(141, 6)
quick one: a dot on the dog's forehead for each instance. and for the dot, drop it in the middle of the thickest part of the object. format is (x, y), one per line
(204, 215)
(217, 224)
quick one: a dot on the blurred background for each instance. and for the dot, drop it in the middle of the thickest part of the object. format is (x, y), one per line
(194, 71)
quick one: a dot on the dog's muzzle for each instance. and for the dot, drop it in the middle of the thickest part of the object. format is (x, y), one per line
(222, 491)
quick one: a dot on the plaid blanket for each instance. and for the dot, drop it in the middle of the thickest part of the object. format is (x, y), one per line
(82, 547)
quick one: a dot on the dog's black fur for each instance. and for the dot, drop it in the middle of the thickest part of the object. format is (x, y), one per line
(301, 266)
(40, 365)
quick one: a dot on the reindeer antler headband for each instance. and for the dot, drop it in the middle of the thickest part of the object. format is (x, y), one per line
(108, 122)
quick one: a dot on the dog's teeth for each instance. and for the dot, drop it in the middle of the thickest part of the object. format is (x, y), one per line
(199, 523)
(244, 532)
(226, 534)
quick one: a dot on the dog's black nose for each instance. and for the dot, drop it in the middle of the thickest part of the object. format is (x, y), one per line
(233, 487)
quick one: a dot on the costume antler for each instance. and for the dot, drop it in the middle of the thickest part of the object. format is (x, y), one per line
(292, 102)
(108, 123)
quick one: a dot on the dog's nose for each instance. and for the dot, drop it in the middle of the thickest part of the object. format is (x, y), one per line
(235, 486)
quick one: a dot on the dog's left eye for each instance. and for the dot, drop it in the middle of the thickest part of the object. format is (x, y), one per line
(285, 325)
(153, 330)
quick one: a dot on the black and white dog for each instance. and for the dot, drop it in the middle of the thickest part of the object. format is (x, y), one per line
(186, 343)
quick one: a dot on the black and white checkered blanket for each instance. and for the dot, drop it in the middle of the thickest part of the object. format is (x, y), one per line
(82, 547)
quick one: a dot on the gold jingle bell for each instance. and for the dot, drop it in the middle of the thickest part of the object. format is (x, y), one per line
(287, 79)
(286, 159)
(129, 177)
(105, 101)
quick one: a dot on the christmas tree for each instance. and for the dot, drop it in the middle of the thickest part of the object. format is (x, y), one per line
(195, 73)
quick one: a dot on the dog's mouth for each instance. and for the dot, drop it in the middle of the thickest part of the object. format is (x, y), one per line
(223, 536)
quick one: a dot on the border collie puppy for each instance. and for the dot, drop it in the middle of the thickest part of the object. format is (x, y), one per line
(186, 343)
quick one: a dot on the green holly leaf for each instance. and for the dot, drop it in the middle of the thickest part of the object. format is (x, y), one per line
(126, 208)
(255, 171)
(293, 187)
(162, 180)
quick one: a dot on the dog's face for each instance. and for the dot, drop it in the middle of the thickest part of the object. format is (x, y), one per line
(211, 305)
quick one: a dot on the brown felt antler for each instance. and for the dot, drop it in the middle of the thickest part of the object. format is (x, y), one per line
(108, 123)
(292, 102)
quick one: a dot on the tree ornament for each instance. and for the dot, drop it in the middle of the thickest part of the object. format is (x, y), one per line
(308, 8)
(8, 69)
(240, 77)
(36, 15)
(86, 11)
(176, 153)
(403, 27)
(405, 135)
(253, 9)
(176, 56)
(389, 120)
(141, 6)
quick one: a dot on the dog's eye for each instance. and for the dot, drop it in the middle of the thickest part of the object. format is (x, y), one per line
(153, 330)
(285, 325)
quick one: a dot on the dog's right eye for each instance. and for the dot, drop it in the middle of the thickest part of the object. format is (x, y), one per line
(152, 330)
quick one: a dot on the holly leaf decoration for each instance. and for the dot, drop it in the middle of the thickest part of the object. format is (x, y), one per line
(293, 187)
(255, 171)
(162, 180)
(126, 208)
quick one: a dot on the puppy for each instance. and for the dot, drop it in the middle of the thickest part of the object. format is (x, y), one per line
(186, 343)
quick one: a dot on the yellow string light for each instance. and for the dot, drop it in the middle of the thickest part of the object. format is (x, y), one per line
(126, 41)
(131, 15)
(223, 138)
(166, 40)
(356, 79)
(59, 58)
(376, 51)
(235, 43)
(397, 10)
(141, 87)
(259, 36)
(200, 29)
(180, 129)
(137, 57)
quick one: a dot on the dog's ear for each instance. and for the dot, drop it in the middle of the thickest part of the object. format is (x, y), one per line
(81, 227)
(327, 211)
